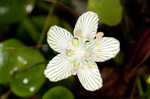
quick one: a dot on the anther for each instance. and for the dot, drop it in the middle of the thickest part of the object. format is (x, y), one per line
(78, 32)
(73, 72)
(89, 66)
(99, 35)
(68, 50)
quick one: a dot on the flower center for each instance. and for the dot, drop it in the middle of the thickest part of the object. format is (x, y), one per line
(78, 51)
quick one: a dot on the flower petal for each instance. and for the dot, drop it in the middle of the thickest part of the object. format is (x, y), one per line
(86, 26)
(105, 49)
(58, 68)
(58, 38)
(89, 76)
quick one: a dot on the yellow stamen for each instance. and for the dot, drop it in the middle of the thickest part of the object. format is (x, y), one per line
(75, 65)
(93, 64)
(69, 50)
(97, 44)
(99, 50)
(78, 42)
(69, 55)
(75, 42)
(89, 66)
(87, 36)
(98, 56)
(93, 39)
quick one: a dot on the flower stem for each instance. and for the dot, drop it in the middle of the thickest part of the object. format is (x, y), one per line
(139, 85)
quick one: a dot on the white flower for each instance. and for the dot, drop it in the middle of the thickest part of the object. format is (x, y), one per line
(78, 54)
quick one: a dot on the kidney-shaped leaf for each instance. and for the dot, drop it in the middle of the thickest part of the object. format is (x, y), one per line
(58, 92)
(14, 10)
(14, 56)
(109, 11)
(22, 66)
(28, 81)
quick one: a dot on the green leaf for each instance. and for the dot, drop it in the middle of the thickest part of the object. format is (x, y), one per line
(8, 59)
(22, 66)
(139, 85)
(14, 10)
(14, 56)
(58, 92)
(28, 81)
(109, 11)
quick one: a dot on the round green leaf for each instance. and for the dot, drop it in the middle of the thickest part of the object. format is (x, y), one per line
(58, 92)
(7, 60)
(28, 81)
(14, 10)
(14, 56)
(109, 11)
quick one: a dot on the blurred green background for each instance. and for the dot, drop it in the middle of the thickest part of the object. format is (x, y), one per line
(24, 52)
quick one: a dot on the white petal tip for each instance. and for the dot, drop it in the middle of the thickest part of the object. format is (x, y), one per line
(91, 12)
(45, 73)
(50, 79)
(52, 27)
